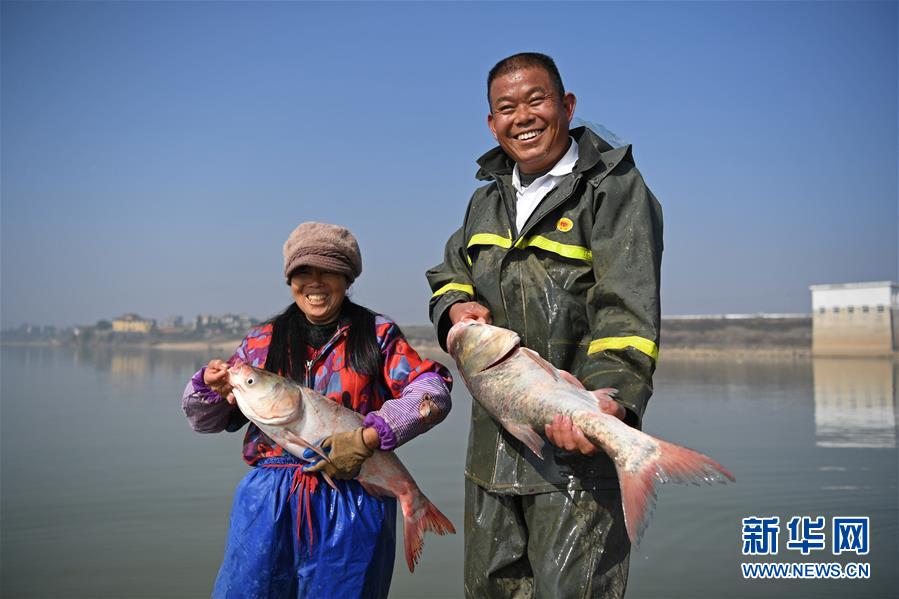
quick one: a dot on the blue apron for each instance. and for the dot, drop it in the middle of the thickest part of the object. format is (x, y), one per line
(292, 535)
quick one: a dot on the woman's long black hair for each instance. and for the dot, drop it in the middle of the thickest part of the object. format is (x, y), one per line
(287, 349)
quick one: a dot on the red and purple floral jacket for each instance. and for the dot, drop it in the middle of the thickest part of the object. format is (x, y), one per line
(411, 395)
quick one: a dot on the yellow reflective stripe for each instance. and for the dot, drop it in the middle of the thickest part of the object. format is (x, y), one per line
(455, 287)
(490, 239)
(575, 252)
(644, 345)
(569, 251)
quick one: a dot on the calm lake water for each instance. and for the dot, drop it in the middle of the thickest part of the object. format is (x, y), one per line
(106, 492)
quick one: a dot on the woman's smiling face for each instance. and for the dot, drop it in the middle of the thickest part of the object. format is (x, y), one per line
(318, 293)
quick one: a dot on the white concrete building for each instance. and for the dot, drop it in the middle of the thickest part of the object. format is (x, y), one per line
(855, 319)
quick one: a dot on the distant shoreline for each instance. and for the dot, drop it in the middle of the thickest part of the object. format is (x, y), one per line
(756, 354)
(431, 349)
(783, 337)
(226, 346)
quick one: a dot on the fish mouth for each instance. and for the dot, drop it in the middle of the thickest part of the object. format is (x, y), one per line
(454, 332)
(235, 371)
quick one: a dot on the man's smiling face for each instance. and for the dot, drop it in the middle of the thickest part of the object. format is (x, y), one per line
(529, 119)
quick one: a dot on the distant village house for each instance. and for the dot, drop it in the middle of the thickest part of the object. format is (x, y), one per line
(132, 323)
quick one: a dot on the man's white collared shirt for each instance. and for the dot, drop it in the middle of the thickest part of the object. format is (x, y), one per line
(528, 198)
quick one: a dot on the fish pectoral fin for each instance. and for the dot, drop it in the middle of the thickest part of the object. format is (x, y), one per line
(542, 363)
(526, 435)
(291, 437)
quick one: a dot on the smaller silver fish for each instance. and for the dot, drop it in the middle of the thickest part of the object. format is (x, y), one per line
(523, 392)
(291, 414)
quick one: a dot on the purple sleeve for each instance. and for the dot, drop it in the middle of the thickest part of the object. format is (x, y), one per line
(206, 410)
(424, 403)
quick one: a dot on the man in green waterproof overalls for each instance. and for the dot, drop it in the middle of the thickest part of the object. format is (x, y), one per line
(563, 245)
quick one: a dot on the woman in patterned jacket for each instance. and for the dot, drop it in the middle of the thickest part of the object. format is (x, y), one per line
(291, 536)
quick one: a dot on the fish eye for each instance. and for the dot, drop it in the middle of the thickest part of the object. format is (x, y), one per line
(250, 381)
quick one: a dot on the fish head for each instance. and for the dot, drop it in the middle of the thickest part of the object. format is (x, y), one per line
(476, 346)
(264, 397)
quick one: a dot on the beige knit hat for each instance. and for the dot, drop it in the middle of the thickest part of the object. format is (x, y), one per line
(328, 247)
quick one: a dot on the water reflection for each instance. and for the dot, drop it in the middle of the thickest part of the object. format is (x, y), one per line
(137, 363)
(855, 402)
(134, 481)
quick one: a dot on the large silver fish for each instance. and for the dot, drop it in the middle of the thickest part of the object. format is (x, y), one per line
(523, 392)
(293, 415)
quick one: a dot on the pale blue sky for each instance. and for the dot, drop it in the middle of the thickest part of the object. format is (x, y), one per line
(156, 155)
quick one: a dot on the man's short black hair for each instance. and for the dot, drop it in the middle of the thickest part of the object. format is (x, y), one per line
(516, 62)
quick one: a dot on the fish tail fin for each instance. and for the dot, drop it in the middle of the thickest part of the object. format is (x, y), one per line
(417, 519)
(673, 464)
